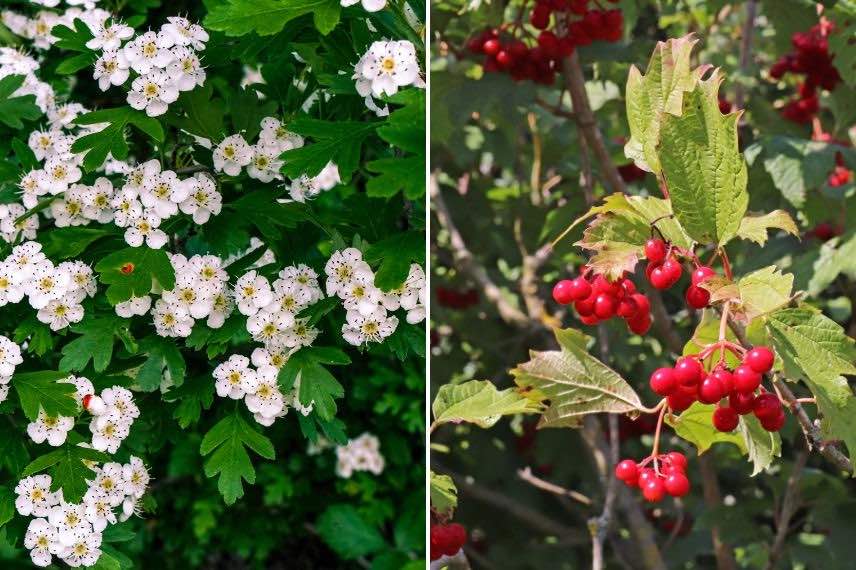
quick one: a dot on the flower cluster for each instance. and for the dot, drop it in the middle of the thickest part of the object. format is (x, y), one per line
(262, 159)
(383, 69)
(73, 531)
(166, 62)
(10, 357)
(351, 279)
(304, 188)
(14, 62)
(361, 454)
(55, 291)
(38, 29)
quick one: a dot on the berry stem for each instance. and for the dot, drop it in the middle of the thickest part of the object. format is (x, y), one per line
(655, 449)
(726, 264)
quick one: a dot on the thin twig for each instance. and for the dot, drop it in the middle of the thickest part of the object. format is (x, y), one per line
(527, 475)
(535, 175)
(745, 52)
(712, 500)
(790, 505)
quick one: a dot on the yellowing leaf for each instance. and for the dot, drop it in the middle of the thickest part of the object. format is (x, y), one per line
(479, 402)
(755, 227)
(444, 495)
(755, 294)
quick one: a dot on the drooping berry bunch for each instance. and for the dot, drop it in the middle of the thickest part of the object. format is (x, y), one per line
(667, 476)
(664, 270)
(811, 59)
(596, 299)
(745, 393)
(447, 539)
(564, 25)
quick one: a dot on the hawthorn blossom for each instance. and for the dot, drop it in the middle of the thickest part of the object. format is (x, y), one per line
(202, 199)
(360, 329)
(232, 154)
(185, 71)
(183, 32)
(34, 496)
(265, 163)
(252, 292)
(152, 92)
(111, 69)
(344, 267)
(386, 67)
(109, 38)
(145, 229)
(266, 401)
(171, 320)
(235, 378)
(52, 429)
(59, 313)
(149, 51)
(134, 306)
(42, 540)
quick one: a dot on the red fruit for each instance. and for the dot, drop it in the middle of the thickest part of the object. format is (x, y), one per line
(602, 285)
(663, 381)
(492, 46)
(627, 308)
(760, 359)
(645, 475)
(517, 49)
(688, 370)
(677, 460)
(701, 273)
(741, 403)
(655, 250)
(678, 401)
(540, 17)
(563, 292)
(86, 399)
(673, 270)
(726, 379)
(476, 44)
(775, 423)
(725, 419)
(642, 302)
(640, 325)
(580, 288)
(605, 306)
(628, 286)
(766, 406)
(658, 278)
(677, 485)
(710, 391)
(590, 320)
(504, 59)
(627, 470)
(696, 297)
(653, 490)
(746, 380)
(549, 43)
(585, 307)
(457, 537)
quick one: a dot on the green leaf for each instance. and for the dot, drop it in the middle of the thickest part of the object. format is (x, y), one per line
(816, 350)
(7, 505)
(133, 271)
(755, 227)
(695, 425)
(836, 256)
(347, 533)
(762, 446)
(203, 115)
(39, 337)
(404, 174)
(337, 141)
(444, 495)
(266, 17)
(162, 353)
(479, 402)
(74, 39)
(395, 254)
(95, 342)
(661, 90)
(306, 367)
(756, 293)
(405, 129)
(702, 165)
(68, 469)
(40, 390)
(15, 110)
(843, 48)
(227, 444)
(111, 139)
(65, 243)
(797, 166)
(574, 382)
(193, 396)
(248, 111)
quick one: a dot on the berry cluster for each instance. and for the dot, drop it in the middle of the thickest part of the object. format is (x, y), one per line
(811, 59)
(741, 385)
(596, 299)
(571, 23)
(664, 270)
(447, 539)
(825, 231)
(668, 476)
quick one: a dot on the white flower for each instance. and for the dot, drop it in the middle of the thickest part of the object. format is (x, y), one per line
(185, 33)
(42, 143)
(111, 69)
(149, 51)
(153, 92)
(84, 551)
(48, 283)
(139, 176)
(120, 405)
(10, 357)
(388, 66)
(163, 192)
(109, 481)
(368, 5)
(303, 188)
(221, 308)
(185, 70)
(360, 454)
(267, 327)
(52, 429)
(267, 400)
(134, 306)
(300, 334)
(194, 298)
(274, 133)
(265, 164)
(305, 277)
(109, 38)
(202, 200)
(69, 521)
(171, 320)
(42, 540)
(83, 387)
(252, 292)
(68, 211)
(328, 177)
(97, 201)
(12, 230)
(24, 260)
(136, 477)
(32, 187)
(361, 295)
(145, 229)
(126, 207)
(108, 432)
(343, 267)
(235, 378)
(59, 313)
(99, 508)
(59, 174)
(34, 496)
(264, 357)
(375, 327)
(232, 154)
(64, 115)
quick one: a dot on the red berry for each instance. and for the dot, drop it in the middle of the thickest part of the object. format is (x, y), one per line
(585, 307)
(540, 17)
(549, 43)
(645, 475)
(679, 401)
(655, 250)
(602, 285)
(726, 379)
(677, 485)
(663, 381)
(658, 278)
(492, 46)
(457, 537)
(580, 288)
(642, 302)
(688, 370)
(725, 419)
(741, 403)
(653, 490)
(696, 297)
(746, 380)
(766, 406)
(640, 325)
(563, 292)
(605, 306)
(627, 470)
(590, 320)
(672, 268)
(774, 423)
(701, 273)
(627, 308)
(677, 459)
(628, 286)
(760, 359)
(504, 58)
(710, 390)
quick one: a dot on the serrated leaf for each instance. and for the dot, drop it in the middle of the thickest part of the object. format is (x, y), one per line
(649, 97)
(132, 272)
(266, 17)
(835, 257)
(842, 47)
(755, 227)
(394, 256)
(695, 425)
(762, 446)
(444, 494)
(702, 165)
(815, 349)
(15, 110)
(306, 367)
(337, 141)
(68, 469)
(797, 166)
(74, 39)
(203, 113)
(111, 139)
(347, 533)
(479, 402)
(193, 396)
(400, 174)
(226, 443)
(40, 390)
(706, 333)
(97, 336)
(574, 382)
(68, 242)
(755, 294)
(162, 354)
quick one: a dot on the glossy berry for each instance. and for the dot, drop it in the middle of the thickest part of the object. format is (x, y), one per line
(640, 325)
(658, 277)
(677, 485)
(766, 406)
(760, 359)
(679, 401)
(655, 250)
(726, 379)
(580, 288)
(710, 391)
(653, 490)
(645, 475)
(585, 307)
(677, 459)
(701, 273)
(663, 381)
(605, 306)
(627, 470)
(627, 308)
(447, 540)
(696, 297)
(774, 423)
(746, 380)
(672, 268)
(563, 292)
(602, 285)
(725, 419)
(492, 46)
(742, 403)
(642, 303)
(688, 370)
